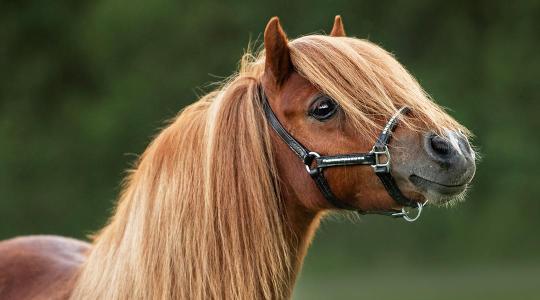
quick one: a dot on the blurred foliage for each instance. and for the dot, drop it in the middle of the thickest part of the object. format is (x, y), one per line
(85, 84)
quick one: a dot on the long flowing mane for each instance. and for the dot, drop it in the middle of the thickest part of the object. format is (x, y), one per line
(201, 215)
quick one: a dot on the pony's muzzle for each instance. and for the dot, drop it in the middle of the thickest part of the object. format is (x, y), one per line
(449, 166)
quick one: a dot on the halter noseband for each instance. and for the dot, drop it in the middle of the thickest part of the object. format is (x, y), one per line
(378, 158)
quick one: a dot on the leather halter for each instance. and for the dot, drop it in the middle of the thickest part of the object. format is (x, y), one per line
(378, 158)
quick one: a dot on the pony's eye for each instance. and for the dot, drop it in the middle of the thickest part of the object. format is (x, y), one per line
(323, 108)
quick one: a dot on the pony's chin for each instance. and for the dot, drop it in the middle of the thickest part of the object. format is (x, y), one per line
(445, 200)
(440, 194)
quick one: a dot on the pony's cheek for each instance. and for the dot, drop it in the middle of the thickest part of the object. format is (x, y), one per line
(359, 187)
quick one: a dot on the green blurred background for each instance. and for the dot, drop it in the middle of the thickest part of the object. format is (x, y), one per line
(85, 84)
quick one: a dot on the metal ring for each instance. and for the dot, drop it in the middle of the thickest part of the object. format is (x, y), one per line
(313, 154)
(406, 216)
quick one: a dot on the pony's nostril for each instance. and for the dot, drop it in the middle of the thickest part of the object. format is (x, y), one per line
(440, 145)
(446, 154)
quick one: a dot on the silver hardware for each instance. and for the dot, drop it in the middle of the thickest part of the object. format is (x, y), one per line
(406, 215)
(315, 154)
(378, 154)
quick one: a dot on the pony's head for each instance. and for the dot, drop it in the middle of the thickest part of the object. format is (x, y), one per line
(334, 94)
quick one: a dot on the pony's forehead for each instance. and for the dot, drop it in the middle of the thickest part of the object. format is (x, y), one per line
(337, 42)
(342, 47)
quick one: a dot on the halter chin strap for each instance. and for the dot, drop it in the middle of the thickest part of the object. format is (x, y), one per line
(378, 158)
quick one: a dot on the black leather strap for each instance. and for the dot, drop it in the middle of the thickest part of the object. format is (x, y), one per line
(384, 173)
(345, 160)
(295, 145)
(316, 164)
(386, 134)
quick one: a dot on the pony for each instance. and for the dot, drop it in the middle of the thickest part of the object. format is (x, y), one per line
(219, 207)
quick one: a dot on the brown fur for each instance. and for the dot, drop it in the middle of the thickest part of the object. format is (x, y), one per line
(218, 207)
(278, 61)
(338, 30)
(40, 267)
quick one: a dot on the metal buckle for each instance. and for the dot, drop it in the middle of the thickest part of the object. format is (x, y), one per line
(308, 160)
(379, 166)
(406, 216)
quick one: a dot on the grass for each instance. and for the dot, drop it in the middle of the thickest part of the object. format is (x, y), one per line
(476, 282)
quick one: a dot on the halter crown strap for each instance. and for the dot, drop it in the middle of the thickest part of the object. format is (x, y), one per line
(378, 158)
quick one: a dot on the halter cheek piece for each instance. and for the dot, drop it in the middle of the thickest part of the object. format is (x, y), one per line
(378, 158)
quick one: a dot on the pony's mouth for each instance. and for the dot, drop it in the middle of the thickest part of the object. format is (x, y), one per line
(437, 187)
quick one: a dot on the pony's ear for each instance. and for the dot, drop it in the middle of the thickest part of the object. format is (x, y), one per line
(278, 59)
(338, 29)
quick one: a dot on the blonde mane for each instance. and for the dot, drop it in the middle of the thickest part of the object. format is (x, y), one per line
(200, 216)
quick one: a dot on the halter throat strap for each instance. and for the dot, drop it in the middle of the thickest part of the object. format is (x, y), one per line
(379, 158)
